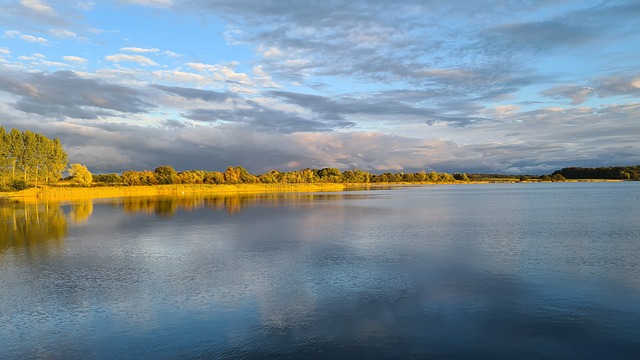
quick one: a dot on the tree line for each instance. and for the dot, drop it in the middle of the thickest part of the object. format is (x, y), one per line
(30, 158)
(611, 172)
(165, 175)
(27, 157)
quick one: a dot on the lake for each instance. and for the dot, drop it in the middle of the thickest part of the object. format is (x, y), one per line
(492, 271)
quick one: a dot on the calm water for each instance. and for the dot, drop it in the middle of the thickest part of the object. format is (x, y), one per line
(510, 271)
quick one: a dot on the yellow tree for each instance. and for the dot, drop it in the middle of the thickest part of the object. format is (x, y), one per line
(80, 174)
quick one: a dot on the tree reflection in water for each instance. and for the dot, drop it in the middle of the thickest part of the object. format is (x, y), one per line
(167, 206)
(81, 211)
(29, 225)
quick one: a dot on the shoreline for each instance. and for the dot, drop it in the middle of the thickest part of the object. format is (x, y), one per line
(46, 192)
(49, 192)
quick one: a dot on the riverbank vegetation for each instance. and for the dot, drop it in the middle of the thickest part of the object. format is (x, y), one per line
(31, 165)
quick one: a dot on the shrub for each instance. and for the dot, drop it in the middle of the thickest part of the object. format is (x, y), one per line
(18, 185)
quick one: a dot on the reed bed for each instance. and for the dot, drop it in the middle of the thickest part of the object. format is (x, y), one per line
(92, 192)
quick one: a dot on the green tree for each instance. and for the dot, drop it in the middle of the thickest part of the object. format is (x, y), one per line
(29, 153)
(213, 177)
(5, 160)
(165, 174)
(190, 177)
(269, 178)
(461, 177)
(333, 175)
(16, 149)
(30, 157)
(245, 176)
(107, 178)
(231, 175)
(131, 178)
(237, 175)
(80, 174)
(57, 161)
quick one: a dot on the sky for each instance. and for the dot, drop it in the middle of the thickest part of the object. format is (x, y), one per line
(503, 86)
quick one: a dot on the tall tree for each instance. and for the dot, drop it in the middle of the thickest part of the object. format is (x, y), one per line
(5, 160)
(57, 161)
(30, 157)
(16, 148)
(29, 153)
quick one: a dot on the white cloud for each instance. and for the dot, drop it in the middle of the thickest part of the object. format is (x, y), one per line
(4, 51)
(10, 34)
(62, 33)
(140, 50)
(271, 52)
(221, 72)
(180, 76)
(26, 58)
(38, 6)
(154, 3)
(54, 64)
(262, 77)
(172, 54)
(75, 59)
(138, 59)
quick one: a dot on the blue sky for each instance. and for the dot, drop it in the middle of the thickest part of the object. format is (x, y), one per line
(522, 87)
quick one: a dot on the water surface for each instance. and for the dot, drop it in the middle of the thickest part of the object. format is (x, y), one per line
(504, 271)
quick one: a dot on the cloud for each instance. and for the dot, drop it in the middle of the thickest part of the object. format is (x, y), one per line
(177, 76)
(35, 56)
(65, 94)
(618, 85)
(602, 87)
(577, 94)
(377, 105)
(138, 59)
(171, 54)
(34, 15)
(262, 118)
(38, 6)
(34, 39)
(140, 50)
(11, 34)
(222, 73)
(190, 93)
(75, 59)
(152, 3)
(540, 36)
(63, 33)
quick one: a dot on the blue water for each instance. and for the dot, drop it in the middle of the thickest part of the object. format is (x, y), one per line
(500, 271)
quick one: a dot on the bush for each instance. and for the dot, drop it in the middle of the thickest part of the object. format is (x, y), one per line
(18, 185)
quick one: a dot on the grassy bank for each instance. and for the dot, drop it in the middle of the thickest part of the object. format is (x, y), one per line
(71, 193)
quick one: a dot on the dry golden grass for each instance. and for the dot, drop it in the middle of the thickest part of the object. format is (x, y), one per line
(74, 193)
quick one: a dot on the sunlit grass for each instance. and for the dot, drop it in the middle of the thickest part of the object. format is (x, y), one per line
(71, 193)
